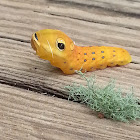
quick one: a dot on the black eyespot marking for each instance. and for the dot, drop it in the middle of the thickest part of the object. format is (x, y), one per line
(102, 51)
(61, 46)
(85, 60)
(85, 53)
(93, 52)
(103, 57)
(93, 58)
(36, 36)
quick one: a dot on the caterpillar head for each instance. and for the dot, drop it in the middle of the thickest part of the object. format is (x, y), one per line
(52, 45)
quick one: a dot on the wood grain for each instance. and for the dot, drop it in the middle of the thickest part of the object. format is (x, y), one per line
(17, 59)
(28, 115)
(87, 22)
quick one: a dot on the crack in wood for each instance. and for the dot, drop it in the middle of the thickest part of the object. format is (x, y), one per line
(74, 3)
(96, 21)
(34, 87)
(15, 39)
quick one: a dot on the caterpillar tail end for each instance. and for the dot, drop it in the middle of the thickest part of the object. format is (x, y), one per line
(129, 59)
(126, 58)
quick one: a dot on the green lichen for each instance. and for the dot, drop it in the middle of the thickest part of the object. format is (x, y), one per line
(108, 100)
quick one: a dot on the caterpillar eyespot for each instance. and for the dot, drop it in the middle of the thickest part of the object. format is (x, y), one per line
(60, 43)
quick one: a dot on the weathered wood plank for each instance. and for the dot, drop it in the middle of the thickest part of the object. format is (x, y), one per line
(87, 26)
(28, 115)
(21, 68)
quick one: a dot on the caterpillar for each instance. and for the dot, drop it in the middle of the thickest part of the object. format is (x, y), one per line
(56, 47)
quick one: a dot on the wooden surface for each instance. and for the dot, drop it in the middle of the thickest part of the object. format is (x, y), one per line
(29, 115)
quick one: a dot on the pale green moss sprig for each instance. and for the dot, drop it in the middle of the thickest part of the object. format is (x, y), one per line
(108, 100)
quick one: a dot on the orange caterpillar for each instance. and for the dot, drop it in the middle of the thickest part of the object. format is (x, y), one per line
(60, 50)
